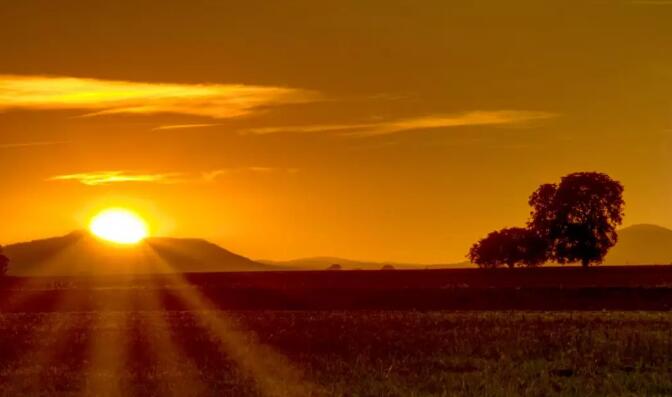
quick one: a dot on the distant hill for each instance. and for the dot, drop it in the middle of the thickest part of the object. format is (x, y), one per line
(324, 262)
(79, 253)
(642, 245)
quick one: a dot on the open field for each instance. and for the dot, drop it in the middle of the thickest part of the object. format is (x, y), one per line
(568, 276)
(341, 334)
(341, 353)
(611, 288)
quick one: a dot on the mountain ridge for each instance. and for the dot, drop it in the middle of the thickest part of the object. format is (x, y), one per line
(79, 253)
(642, 244)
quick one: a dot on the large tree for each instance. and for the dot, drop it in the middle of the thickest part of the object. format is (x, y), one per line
(510, 247)
(4, 263)
(578, 217)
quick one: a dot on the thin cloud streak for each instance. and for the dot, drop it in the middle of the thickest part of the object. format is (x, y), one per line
(211, 176)
(108, 177)
(475, 118)
(29, 144)
(183, 126)
(103, 178)
(100, 97)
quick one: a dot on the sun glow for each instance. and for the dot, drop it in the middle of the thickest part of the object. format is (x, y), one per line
(119, 226)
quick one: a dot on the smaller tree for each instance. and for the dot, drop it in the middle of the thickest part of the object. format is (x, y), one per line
(4, 263)
(510, 247)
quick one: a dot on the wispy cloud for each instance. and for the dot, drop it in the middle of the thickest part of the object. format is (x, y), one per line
(182, 126)
(475, 118)
(29, 144)
(109, 177)
(98, 96)
(102, 178)
(211, 176)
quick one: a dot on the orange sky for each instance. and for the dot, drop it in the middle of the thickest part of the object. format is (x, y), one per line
(378, 130)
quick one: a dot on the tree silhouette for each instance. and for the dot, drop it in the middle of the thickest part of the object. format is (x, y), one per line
(510, 247)
(4, 263)
(578, 217)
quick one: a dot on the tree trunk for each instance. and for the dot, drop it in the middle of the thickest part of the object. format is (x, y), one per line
(585, 263)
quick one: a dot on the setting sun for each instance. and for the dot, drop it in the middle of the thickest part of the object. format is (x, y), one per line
(119, 226)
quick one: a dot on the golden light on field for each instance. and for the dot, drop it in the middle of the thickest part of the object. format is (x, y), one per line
(119, 226)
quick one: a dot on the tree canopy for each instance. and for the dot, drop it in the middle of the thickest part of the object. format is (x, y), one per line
(510, 247)
(573, 221)
(4, 263)
(578, 217)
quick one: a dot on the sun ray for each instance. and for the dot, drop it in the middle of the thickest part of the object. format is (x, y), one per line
(165, 353)
(57, 334)
(127, 334)
(108, 349)
(274, 374)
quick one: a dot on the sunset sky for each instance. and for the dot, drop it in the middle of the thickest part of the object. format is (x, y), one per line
(376, 130)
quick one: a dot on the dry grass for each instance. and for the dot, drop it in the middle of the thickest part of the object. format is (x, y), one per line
(349, 353)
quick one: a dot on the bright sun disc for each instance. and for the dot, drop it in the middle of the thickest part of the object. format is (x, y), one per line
(119, 226)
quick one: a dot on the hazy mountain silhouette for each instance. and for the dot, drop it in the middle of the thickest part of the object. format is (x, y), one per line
(79, 253)
(323, 262)
(642, 245)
